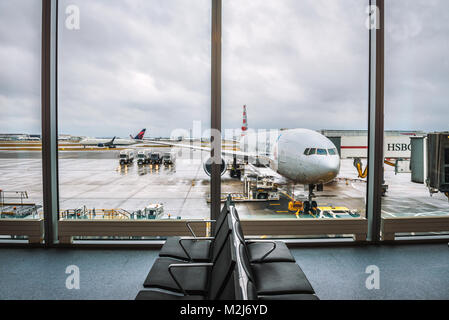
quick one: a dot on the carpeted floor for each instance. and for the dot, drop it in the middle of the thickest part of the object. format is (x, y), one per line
(406, 272)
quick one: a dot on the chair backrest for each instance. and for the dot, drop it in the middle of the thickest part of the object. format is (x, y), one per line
(221, 281)
(238, 231)
(221, 237)
(231, 289)
(234, 212)
(219, 222)
(251, 291)
(244, 261)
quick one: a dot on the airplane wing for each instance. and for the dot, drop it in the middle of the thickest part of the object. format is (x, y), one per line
(224, 152)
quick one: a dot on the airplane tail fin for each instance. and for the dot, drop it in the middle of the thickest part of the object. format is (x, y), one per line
(245, 121)
(140, 135)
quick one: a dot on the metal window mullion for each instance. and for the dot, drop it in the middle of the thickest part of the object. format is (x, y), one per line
(376, 126)
(49, 120)
(215, 185)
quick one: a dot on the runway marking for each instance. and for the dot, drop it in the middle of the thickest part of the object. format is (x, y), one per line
(275, 204)
(281, 211)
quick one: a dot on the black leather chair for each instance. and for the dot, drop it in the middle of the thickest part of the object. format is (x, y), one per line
(196, 249)
(261, 251)
(251, 294)
(236, 269)
(192, 278)
(275, 278)
(222, 279)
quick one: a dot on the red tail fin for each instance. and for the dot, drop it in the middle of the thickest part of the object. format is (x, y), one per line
(245, 121)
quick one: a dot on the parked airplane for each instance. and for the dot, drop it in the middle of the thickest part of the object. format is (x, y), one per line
(302, 156)
(139, 136)
(112, 143)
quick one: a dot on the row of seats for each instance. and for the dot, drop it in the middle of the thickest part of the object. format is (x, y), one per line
(225, 267)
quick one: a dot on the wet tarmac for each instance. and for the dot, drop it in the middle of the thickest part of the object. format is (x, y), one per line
(95, 179)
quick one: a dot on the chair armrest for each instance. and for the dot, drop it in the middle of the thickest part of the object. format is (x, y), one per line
(191, 238)
(196, 221)
(185, 265)
(265, 241)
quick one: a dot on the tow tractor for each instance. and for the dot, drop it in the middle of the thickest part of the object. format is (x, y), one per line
(308, 206)
(236, 168)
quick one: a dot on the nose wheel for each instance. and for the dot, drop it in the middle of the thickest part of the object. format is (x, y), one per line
(309, 206)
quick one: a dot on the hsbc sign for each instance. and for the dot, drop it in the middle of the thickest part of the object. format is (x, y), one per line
(399, 147)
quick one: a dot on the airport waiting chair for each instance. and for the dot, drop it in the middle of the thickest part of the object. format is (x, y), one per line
(251, 294)
(196, 249)
(193, 280)
(262, 251)
(275, 280)
(222, 279)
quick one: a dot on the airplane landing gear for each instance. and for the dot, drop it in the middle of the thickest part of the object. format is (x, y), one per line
(311, 206)
(236, 170)
(307, 207)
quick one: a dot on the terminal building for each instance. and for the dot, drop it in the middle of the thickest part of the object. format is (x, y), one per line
(354, 143)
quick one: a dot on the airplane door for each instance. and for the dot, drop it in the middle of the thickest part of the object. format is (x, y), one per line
(282, 152)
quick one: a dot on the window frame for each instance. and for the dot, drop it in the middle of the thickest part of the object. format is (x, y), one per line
(50, 125)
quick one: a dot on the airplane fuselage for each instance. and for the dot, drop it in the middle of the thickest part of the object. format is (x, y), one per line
(300, 155)
(117, 142)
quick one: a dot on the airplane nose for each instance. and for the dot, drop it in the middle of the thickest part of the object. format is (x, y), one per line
(334, 166)
(329, 169)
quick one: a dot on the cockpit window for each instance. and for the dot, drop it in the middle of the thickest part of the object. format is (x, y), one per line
(322, 152)
(306, 152)
(332, 152)
(312, 151)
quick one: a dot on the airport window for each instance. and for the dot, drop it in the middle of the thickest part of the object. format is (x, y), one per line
(21, 192)
(134, 82)
(294, 69)
(416, 95)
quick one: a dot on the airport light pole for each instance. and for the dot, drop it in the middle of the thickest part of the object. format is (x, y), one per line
(215, 182)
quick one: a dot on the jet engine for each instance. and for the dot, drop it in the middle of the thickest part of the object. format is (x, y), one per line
(207, 166)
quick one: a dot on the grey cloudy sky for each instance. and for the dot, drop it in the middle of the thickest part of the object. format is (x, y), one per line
(146, 63)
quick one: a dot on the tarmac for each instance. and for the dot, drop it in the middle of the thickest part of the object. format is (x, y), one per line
(94, 178)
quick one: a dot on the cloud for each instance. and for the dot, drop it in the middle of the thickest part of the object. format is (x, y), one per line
(140, 63)
(20, 45)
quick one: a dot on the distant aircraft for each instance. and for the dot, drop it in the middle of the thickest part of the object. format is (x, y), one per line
(302, 156)
(112, 143)
(139, 136)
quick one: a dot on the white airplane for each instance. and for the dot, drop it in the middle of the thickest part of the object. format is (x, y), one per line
(112, 143)
(302, 156)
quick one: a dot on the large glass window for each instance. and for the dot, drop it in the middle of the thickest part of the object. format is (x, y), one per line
(134, 76)
(416, 95)
(20, 110)
(298, 72)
